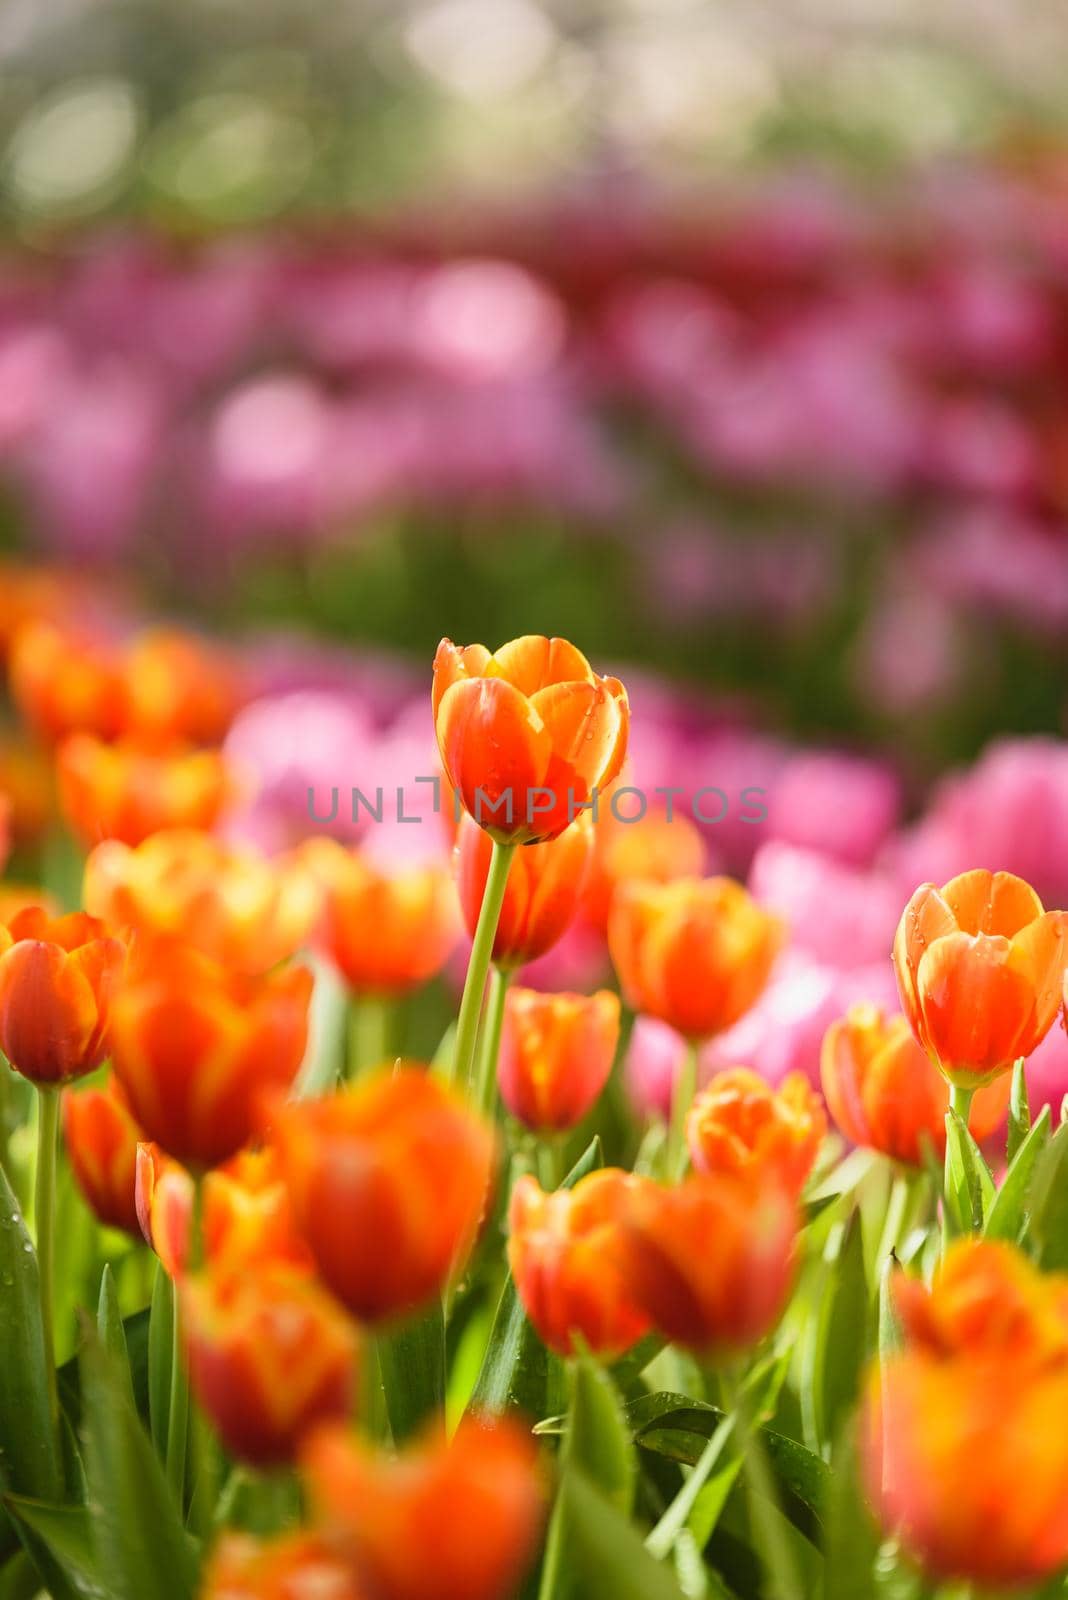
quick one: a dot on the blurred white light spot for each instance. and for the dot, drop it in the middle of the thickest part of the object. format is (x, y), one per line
(74, 144)
(481, 48)
(490, 319)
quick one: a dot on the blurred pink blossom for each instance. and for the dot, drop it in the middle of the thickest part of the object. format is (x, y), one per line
(844, 805)
(842, 916)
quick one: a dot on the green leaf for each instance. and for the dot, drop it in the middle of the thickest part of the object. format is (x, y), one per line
(109, 1327)
(59, 1543)
(441, 1064)
(517, 1371)
(160, 1355)
(29, 1451)
(140, 1544)
(606, 1557)
(598, 1439)
(890, 1335)
(840, 1336)
(412, 1362)
(1049, 1203)
(1008, 1216)
(970, 1183)
(851, 1540)
(1019, 1112)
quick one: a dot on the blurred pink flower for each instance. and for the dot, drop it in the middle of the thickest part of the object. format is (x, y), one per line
(841, 804)
(840, 915)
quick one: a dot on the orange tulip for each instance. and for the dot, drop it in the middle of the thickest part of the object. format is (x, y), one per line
(16, 897)
(441, 1521)
(963, 1459)
(121, 791)
(710, 1261)
(159, 686)
(651, 849)
(564, 1249)
(545, 883)
(296, 1566)
(57, 981)
(556, 1055)
(243, 909)
(695, 953)
(883, 1091)
(527, 734)
(35, 593)
(741, 1124)
(270, 1355)
(247, 1218)
(979, 968)
(389, 1181)
(101, 1138)
(387, 933)
(195, 1047)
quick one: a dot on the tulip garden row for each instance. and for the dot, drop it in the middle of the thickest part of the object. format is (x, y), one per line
(286, 1317)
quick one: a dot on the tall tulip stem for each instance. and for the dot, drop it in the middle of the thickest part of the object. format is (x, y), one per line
(681, 1101)
(490, 1041)
(478, 966)
(178, 1413)
(45, 1220)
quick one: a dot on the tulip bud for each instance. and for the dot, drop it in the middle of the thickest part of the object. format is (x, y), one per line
(389, 1182)
(246, 1219)
(564, 1253)
(270, 1355)
(101, 1139)
(980, 966)
(57, 980)
(556, 1055)
(740, 1124)
(544, 885)
(443, 1520)
(527, 734)
(195, 1047)
(695, 953)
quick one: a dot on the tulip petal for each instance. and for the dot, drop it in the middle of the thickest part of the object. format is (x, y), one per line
(991, 902)
(48, 1012)
(493, 743)
(452, 664)
(1040, 950)
(977, 1008)
(583, 721)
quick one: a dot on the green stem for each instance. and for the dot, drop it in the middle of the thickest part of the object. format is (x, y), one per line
(48, 1100)
(178, 1413)
(490, 1042)
(768, 1518)
(681, 1101)
(661, 1540)
(478, 966)
(960, 1101)
(553, 1577)
(549, 1163)
(370, 1034)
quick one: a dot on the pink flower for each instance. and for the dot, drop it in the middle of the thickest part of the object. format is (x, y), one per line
(843, 805)
(837, 914)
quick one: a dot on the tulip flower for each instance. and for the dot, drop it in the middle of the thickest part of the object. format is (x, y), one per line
(556, 1055)
(980, 966)
(526, 734)
(196, 1046)
(696, 954)
(446, 1519)
(246, 1214)
(527, 737)
(386, 932)
(652, 849)
(240, 908)
(389, 1182)
(564, 1252)
(545, 884)
(740, 1124)
(57, 981)
(270, 1355)
(710, 1260)
(122, 791)
(295, 1566)
(159, 686)
(962, 1460)
(28, 785)
(883, 1091)
(101, 1138)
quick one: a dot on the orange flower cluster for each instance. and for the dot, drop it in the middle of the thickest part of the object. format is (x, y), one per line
(695, 953)
(883, 1091)
(965, 1460)
(386, 932)
(980, 968)
(545, 884)
(740, 1124)
(526, 734)
(708, 1263)
(556, 1054)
